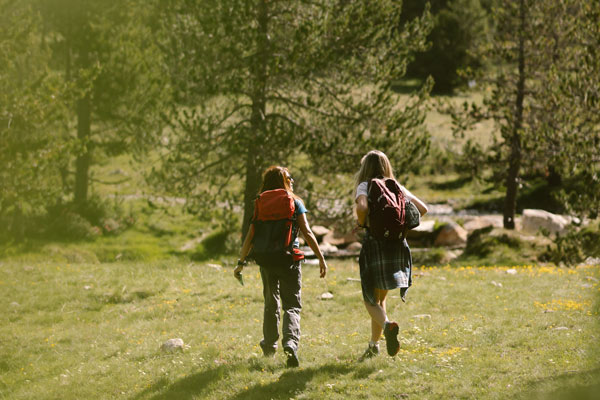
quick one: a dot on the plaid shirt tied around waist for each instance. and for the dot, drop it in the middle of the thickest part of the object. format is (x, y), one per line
(384, 265)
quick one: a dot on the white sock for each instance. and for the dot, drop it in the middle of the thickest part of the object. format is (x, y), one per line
(373, 344)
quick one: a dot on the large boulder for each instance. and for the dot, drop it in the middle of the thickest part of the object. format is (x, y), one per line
(424, 230)
(451, 235)
(355, 247)
(340, 239)
(483, 222)
(533, 220)
(327, 248)
(320, 231)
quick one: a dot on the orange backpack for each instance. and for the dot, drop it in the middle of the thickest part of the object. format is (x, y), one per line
(274, 225)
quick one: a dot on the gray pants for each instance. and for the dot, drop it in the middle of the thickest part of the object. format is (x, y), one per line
(282, 284)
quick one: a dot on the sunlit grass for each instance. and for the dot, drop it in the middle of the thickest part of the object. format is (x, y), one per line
(80, 330)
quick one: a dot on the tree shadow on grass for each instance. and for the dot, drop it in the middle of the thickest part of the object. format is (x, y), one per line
(188, 387)
(294, 381)
(583, 385)
(291, 382)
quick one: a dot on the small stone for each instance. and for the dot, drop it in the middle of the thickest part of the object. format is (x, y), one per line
(326, 296)
(215, 266)
(511, 271)
(422, 316)
(173, 345)
(497, 284)
(561, 328)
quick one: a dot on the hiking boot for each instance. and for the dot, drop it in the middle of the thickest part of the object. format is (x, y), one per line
(371, 352)
(390, 331)
(268, 351)
(292, 357)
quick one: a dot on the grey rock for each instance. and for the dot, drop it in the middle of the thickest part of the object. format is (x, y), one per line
(173, 345)
(422, 316)
(451, 235)
(533, 220)
(320, 231)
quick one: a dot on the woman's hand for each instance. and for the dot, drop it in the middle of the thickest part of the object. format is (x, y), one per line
(323, 268)
(238, 270)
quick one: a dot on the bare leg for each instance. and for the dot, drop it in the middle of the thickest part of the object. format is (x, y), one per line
(378, 314)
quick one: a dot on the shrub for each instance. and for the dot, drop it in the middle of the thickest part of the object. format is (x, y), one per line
(213, 245)
(433, 256)
(69, 225)
(493, 247)
(68, 221)
(575, 246)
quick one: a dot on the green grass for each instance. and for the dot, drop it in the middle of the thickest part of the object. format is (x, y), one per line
(93, 330)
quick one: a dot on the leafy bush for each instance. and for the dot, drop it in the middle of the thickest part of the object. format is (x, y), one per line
(67, 221)
(487, 246)
(70, 225)
(575, 246)
(433, 256)
(213, 245)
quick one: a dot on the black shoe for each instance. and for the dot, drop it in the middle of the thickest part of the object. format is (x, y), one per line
(391, 338)
(371, 352)
(268, 351)
(292, 357)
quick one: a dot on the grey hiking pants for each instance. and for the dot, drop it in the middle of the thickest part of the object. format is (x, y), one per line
(282, 284)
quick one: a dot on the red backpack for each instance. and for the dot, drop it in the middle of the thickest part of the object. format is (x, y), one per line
(274, 225)
(387, 210)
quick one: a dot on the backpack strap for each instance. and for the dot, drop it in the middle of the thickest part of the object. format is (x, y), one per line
(295, 227)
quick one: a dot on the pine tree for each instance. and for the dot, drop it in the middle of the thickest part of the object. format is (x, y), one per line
(29, 110)
(544, 98)
(261, 81)
(107, 57)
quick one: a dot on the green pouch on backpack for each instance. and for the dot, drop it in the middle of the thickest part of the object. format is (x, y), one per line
(412, 215)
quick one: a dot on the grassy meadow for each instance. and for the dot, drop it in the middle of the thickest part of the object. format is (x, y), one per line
(93, 330)
(85, 319)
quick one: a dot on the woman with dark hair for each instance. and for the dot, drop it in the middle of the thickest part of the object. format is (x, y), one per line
(281, 274)
(383, 265)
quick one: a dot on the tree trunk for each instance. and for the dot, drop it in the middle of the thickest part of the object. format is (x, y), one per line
(553, 177)
(254, 160)
(252, 185)
(512, 179)
(82, 164)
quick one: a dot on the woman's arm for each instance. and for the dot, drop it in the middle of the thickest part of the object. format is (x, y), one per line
(421, 206)
(245, 248)
(311, 240)
(362, 209)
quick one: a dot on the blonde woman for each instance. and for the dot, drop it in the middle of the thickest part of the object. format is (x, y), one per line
(383, 265)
